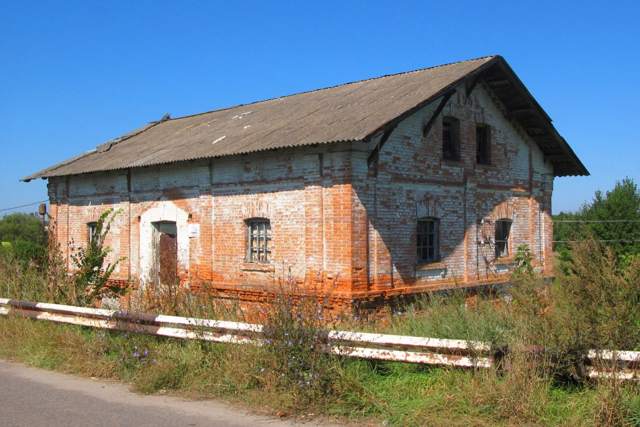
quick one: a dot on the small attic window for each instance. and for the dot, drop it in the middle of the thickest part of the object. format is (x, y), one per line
(450, 138)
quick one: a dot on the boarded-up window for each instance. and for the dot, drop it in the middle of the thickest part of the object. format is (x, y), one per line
(258, 240)
(483, 144)
(450, 138)
(428, 240)
(503, 228)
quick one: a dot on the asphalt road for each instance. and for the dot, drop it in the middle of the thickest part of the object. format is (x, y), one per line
(35, 397)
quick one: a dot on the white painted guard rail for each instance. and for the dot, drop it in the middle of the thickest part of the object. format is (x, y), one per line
(399, 348)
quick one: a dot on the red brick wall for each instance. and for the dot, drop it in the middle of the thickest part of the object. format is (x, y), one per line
(413, 180)
(309, 210)
(335, 222)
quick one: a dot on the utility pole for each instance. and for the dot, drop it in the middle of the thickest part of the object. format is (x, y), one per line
(42, 211)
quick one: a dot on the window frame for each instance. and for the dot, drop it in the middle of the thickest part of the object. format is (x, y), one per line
(483, 156)
(258, 232)
(424, 236)
(451, 149)
(502, 245)
(91, 231)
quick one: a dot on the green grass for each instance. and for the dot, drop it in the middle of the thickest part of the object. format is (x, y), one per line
(412, 395)
(394, 393)
(449, 317)
(583, 310)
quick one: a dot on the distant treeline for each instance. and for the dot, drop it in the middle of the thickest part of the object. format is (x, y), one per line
(613, 218)
(23, 235)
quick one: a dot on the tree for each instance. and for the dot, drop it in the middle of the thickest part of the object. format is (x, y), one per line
(613, 218)
(22, 226)
(24, 236)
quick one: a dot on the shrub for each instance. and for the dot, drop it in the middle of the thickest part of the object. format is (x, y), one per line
(91, 278)
(524, 261)
(597, 302)
(295, 332)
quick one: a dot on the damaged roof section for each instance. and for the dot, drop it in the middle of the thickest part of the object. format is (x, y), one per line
(349, 112)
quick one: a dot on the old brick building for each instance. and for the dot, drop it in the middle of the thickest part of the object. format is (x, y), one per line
(400, 184)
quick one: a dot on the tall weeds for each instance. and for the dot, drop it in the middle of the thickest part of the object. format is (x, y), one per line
(296, 362)
(598, 300)
(547, 329)
(22, 281)
(174, 299)
(91, 268)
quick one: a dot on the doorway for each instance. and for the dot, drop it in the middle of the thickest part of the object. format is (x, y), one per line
(165, 253)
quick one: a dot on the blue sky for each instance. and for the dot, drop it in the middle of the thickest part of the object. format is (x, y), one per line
(74, 74)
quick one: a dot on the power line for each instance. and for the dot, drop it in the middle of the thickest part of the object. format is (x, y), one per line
(601, 241)
(594, 220)
(22, 206)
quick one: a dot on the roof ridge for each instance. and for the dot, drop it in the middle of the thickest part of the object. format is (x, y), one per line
(122, 138)
(334, 86)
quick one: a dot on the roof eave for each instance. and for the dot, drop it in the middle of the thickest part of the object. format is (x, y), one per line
(495, 69)
(442, 92)
(572, 165)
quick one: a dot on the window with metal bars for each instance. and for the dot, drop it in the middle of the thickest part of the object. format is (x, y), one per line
(503, 228)
(428, 239)
(258, 240)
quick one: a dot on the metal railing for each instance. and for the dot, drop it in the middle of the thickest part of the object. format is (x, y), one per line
(624, 365)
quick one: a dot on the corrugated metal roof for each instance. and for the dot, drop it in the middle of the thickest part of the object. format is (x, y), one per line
(349, 112)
